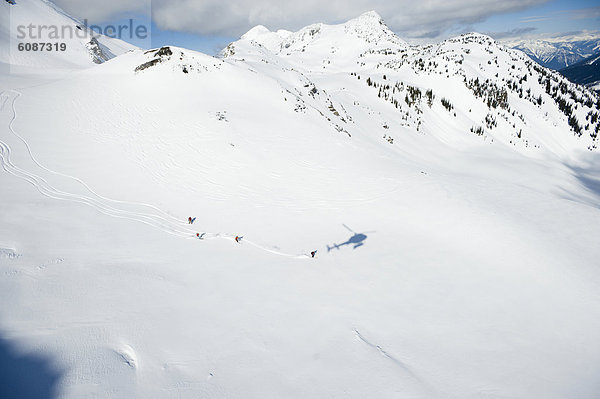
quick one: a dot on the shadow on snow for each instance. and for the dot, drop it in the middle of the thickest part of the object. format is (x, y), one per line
(356, 240)
(589, 178)
(26, 376)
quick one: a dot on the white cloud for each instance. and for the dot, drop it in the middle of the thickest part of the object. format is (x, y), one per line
(563, 37)
(513, 33)
(232, 18)
(102, 11)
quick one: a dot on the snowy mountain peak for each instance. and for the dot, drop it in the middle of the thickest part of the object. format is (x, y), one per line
(321, 44)
(261, 35)
(368, 17)
(371, 27)
(471, 37)
(256, 32)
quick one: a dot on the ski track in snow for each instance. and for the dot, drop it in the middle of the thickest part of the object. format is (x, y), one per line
(405, 369)
(150, 215)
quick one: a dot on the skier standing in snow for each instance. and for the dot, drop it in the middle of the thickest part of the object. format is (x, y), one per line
(313, 253)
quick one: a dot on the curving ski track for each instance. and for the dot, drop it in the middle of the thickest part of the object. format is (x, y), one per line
(148, 214)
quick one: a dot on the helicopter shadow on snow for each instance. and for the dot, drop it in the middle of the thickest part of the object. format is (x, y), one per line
(355, 241)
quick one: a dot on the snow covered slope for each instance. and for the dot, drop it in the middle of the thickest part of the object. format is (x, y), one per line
(39, 21)
(452, 262)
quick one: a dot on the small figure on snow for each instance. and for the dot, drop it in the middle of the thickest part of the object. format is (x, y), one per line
(191, 221)
(200, 236)
(313, 253)
(237, 238)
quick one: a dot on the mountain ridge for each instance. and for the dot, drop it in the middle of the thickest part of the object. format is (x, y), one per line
(494, 68)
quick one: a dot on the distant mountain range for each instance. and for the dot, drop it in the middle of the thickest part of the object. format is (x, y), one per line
(586, 72)
(577, 57)
(558, 52)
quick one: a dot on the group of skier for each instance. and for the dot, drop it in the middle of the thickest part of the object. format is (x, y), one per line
(191, 220)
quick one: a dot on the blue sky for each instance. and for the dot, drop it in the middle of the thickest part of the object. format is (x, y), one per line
(209, 25)
(209, 44)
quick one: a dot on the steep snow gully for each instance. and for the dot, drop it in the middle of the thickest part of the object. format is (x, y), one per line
(142, 212)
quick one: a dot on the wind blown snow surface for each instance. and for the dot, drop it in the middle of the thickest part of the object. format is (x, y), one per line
(451, 262)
